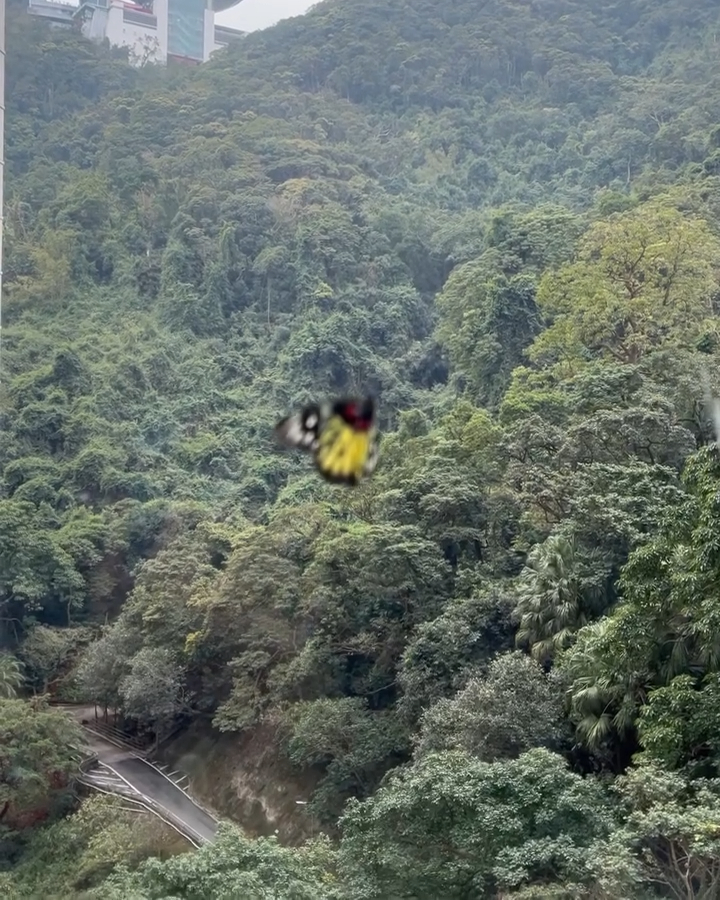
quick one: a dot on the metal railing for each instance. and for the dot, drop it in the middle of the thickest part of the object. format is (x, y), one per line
(131, 794)
(139, 749)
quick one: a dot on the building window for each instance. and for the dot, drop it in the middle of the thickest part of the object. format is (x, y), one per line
(186, 28)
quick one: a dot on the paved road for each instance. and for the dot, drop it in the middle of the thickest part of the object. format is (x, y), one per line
(152, 784)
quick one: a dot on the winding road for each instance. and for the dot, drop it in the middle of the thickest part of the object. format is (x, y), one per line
(120, 770)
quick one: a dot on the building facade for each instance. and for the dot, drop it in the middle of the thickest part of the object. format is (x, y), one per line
(152, 30)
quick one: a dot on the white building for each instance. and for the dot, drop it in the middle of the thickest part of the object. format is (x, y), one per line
(153, 30)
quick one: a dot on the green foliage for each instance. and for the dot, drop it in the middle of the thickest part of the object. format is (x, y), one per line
(462, 639)
(457, 827)
(11, 675)
(503, 219)
(558, 593)
(488, 308)
(233, 866)
(47, 653)
(666, 627)
(69, 857)
(355, 746)
(151, 692)
(673, 827)
(643, 278)
(513, 708)
(39, 751)
(679, 724)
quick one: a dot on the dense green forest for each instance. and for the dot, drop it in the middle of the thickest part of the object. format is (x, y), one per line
(498, 660)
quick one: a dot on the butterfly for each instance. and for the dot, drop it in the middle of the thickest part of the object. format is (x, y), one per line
(341, 435)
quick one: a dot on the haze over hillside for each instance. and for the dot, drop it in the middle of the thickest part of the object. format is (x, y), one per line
(491, 671)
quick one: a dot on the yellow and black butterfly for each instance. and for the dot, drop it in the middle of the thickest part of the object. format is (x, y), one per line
(341, 435)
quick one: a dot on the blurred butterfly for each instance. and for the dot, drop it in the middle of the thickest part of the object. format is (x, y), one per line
(341, 435)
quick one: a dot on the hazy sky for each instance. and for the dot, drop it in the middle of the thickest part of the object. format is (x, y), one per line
(249, 15)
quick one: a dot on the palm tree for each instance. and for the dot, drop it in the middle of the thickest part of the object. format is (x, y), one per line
(558, 593)
(11, 676)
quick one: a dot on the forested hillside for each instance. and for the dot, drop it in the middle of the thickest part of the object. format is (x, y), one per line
(498, 660)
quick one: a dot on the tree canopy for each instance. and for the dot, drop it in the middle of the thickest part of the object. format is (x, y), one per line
(497, 661)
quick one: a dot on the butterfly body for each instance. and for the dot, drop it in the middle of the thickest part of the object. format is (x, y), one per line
(341, 435)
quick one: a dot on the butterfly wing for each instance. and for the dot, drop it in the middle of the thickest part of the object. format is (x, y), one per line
(301, 430)
(340, 435)
(347, 447)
